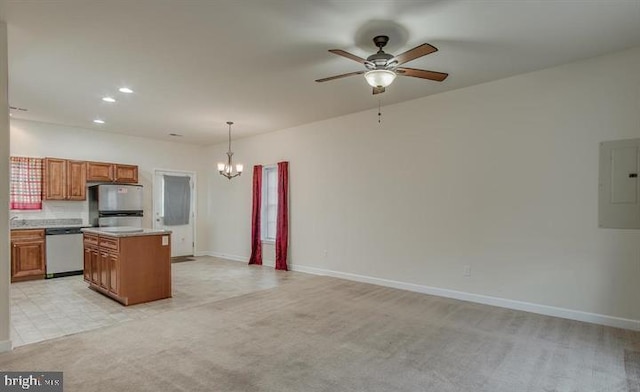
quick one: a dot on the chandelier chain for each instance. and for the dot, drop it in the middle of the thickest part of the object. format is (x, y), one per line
(230, 124)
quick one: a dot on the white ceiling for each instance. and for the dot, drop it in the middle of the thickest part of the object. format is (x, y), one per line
(196, 64)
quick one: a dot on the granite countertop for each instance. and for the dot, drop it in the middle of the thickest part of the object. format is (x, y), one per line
(26, 224)
(124, 231)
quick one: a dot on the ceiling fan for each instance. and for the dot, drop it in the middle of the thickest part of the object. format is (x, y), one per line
(382, 68)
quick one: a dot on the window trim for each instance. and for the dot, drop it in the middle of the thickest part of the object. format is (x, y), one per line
(263, 207)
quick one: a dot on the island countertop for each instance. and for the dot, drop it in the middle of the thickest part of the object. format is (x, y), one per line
(124, 231)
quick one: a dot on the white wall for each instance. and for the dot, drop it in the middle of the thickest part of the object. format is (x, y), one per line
(502, 177)
(5, 270)
(35, 139)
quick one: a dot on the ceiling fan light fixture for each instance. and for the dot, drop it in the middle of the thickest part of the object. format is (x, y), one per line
(380, 77)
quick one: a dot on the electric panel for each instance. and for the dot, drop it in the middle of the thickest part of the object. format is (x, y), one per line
(619, 194)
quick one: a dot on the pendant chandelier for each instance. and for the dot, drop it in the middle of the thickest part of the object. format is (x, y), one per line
(227, 169)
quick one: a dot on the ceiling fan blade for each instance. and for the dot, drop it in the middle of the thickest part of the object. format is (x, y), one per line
(416, 52)
(340, 76)
(348, 55)
(378, 90)
(421, 73)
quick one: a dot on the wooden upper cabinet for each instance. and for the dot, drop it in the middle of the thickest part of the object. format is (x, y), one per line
(64, 179)
(76, 180)
(126, 173)
(54, 178)
(112, 172)
(98, 171)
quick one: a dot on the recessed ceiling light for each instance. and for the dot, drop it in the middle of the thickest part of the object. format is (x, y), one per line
(98, 121)
(108, 99)
(125, 90)
(10, 114)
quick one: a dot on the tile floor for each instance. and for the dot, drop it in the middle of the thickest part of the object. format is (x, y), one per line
(47, 309)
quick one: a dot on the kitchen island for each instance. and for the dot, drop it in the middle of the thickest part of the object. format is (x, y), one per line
(130, 265)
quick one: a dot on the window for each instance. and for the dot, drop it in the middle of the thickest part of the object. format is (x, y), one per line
(269, 203)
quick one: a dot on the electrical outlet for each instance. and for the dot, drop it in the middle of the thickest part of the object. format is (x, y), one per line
(467, 270)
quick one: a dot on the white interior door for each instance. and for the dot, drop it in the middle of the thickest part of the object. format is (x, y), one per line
(183, 228)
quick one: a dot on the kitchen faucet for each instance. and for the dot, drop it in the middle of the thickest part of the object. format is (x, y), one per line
(14, 218)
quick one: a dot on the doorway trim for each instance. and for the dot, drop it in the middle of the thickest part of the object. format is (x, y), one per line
(194, 199)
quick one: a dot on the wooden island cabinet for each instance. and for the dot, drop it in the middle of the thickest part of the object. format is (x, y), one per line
(130, 267)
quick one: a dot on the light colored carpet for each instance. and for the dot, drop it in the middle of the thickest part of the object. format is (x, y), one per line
(326, 334)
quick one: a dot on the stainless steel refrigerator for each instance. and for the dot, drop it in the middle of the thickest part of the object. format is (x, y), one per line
(115, 205)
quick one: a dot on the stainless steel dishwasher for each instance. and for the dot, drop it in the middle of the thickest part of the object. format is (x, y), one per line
(65, 253)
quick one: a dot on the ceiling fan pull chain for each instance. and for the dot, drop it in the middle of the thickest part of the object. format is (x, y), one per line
(379, 111)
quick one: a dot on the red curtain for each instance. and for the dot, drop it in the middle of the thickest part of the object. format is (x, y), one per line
(256, 241)
(282, 228)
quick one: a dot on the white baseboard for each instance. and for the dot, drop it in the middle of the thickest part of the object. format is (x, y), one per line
(546, 310)
(5, 345)
(244, 259)
(227, 257)
(578, 315)
(202, 253)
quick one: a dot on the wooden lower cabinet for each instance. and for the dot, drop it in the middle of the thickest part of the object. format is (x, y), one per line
(104, 271)
(95, 266)
(130, 269)
(28, 259)
(91, 270)
(114, 271)
(87, 263)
